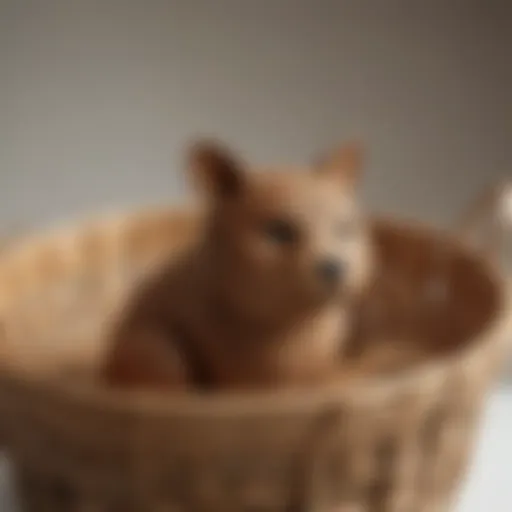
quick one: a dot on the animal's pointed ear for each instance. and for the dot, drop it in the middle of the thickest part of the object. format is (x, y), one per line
(345, 163)
(215, 170)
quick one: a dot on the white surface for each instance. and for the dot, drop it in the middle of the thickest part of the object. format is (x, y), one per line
(489, 484)
(488, 487)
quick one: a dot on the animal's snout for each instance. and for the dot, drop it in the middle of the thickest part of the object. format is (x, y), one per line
(330, 271)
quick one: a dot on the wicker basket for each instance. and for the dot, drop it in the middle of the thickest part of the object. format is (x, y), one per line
(396, 444)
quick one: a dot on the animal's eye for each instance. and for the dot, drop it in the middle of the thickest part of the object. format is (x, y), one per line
(281, 231)
(346, 228)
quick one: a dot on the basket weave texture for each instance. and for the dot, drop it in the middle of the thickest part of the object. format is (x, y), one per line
(396, 444)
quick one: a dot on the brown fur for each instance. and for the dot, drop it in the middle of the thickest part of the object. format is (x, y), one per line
(246, 306)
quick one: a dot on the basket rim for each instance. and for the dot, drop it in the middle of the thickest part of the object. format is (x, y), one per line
(363, 393)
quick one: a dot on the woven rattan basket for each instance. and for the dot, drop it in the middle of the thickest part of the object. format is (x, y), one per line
(395, 444)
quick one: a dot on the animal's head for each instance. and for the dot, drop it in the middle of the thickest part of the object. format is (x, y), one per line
(283, 238)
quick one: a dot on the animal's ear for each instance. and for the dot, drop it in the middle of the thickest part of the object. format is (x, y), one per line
(345, 163)
(215, 170)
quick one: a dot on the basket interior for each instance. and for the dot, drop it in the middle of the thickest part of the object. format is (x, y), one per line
(60, 292)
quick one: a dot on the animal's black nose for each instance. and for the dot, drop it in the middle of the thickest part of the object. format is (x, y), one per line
(330, 270)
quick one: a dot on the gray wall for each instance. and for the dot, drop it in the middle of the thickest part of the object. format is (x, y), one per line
(98, 97)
